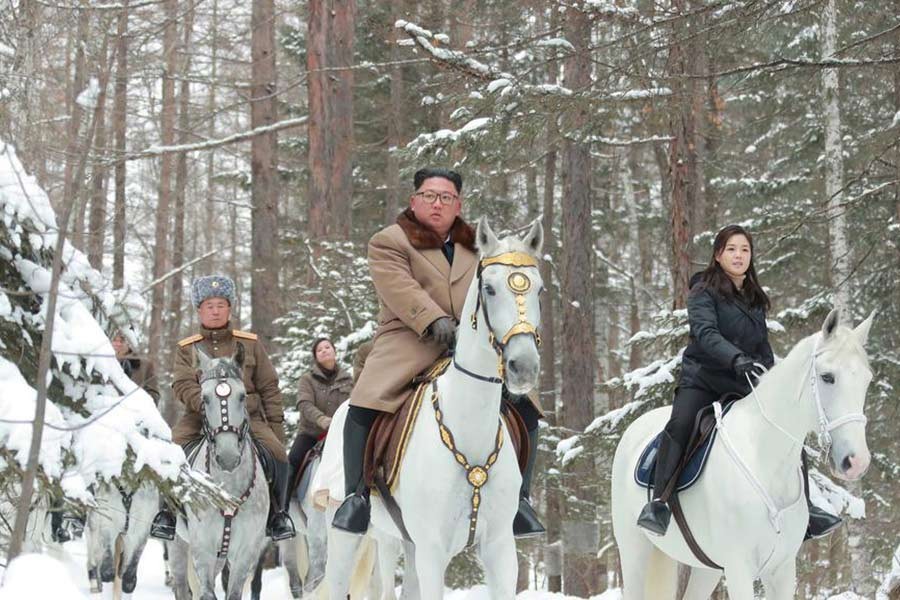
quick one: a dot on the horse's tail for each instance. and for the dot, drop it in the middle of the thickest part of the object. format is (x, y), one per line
(662, 576)
(364, 565)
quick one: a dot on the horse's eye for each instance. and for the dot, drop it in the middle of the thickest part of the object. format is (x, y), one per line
(827, 377)
(489, 290)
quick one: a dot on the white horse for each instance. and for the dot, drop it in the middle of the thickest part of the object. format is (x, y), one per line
(304, 556)
(748, 512)
(444, 505)
(213, 536)
(116, 531)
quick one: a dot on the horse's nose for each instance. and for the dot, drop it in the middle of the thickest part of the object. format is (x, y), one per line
(228, 463)
(855, 466)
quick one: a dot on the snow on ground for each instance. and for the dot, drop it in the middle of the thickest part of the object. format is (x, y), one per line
(36, 576)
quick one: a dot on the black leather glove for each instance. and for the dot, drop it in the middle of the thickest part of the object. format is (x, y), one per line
(746, 366)
(443, 331)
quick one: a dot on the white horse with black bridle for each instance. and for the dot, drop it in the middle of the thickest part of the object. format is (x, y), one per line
(748, 511)
(459, 480)
(212, 537)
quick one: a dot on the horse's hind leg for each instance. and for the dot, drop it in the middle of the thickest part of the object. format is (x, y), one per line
(410, 589)
(782, 583)
(701, 584)
(500, 566)
(635, 552)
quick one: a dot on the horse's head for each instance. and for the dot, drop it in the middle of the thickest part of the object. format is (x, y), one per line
(225, 422)
(839, 379)
(509, 285)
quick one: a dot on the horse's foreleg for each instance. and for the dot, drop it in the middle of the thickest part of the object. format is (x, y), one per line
(781, 584)
(340, 564)
(701, 584)
(431, 563)
(178, 558)
(206, 576)
(388, 555)
(501, 566)
(739, 582)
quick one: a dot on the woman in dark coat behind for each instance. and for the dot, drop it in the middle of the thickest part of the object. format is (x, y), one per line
(728, 341)
(321, 391)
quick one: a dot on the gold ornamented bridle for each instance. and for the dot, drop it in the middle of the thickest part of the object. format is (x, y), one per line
(519, 283)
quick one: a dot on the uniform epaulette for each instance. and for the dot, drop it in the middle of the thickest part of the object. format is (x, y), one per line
(244, 334)
(190, 340)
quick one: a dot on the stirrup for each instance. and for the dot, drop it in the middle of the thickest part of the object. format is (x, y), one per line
(654, 518)
(281, 527)
(163, 527)
(526, 523)
(353, 515)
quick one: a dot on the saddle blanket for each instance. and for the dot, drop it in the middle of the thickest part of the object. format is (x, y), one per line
(690, 473)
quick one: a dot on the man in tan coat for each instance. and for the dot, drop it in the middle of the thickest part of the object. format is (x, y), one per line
(422, 267)
(213, 296)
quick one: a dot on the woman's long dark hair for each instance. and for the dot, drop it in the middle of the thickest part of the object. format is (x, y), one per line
(715, 278)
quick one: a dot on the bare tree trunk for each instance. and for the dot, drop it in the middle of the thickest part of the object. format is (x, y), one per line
(682, 155)
(209, 230)
(163, 208)
(330, 93)
(394, 195)
(265, 261)
(834, 167)
(120, 106)
(181, 179)
(73, 149)
(99, 172)
(580, 566)
(634, 253)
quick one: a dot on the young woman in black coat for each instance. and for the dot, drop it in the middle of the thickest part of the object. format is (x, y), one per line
(729, 340)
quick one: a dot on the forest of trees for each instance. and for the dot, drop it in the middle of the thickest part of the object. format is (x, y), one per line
(269, 140)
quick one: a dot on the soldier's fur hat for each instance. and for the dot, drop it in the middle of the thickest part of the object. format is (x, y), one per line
(212, 286)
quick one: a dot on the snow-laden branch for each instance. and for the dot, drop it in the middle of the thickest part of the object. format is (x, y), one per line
(154, 151)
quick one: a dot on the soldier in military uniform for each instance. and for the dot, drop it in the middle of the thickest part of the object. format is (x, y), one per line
(213, 296)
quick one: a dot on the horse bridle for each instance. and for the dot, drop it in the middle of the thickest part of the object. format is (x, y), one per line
(223, 392)
(519, 283)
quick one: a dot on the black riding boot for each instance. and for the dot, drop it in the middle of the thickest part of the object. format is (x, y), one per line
(526, 523)
(163, 526)
(821, 523)
(353, 515)
(280, 526)
(655, 515)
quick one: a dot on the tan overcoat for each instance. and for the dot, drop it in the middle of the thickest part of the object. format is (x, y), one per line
(143, 373)
(263, 401)
(415, 284)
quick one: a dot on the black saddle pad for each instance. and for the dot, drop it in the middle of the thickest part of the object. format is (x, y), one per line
(646, 465)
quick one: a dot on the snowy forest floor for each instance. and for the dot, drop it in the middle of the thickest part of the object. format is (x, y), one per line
(151, 581)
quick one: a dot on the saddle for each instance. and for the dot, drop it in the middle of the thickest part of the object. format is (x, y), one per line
(689, 469)
(694, 459)
(390, 433)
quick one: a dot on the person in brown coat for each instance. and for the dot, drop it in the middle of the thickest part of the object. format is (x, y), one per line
(422, 268)
(213, 296)
(140, 370)
(320, 391)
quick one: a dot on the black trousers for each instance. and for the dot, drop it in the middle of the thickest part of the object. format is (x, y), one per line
(303, 443)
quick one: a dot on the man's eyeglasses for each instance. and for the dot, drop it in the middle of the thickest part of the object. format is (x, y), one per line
(430, 197)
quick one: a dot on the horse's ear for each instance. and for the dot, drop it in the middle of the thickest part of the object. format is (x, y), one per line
(534, 240)
(831, 323)
(862, 330)
(485, 238)
(203, 359)
(238, 356)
